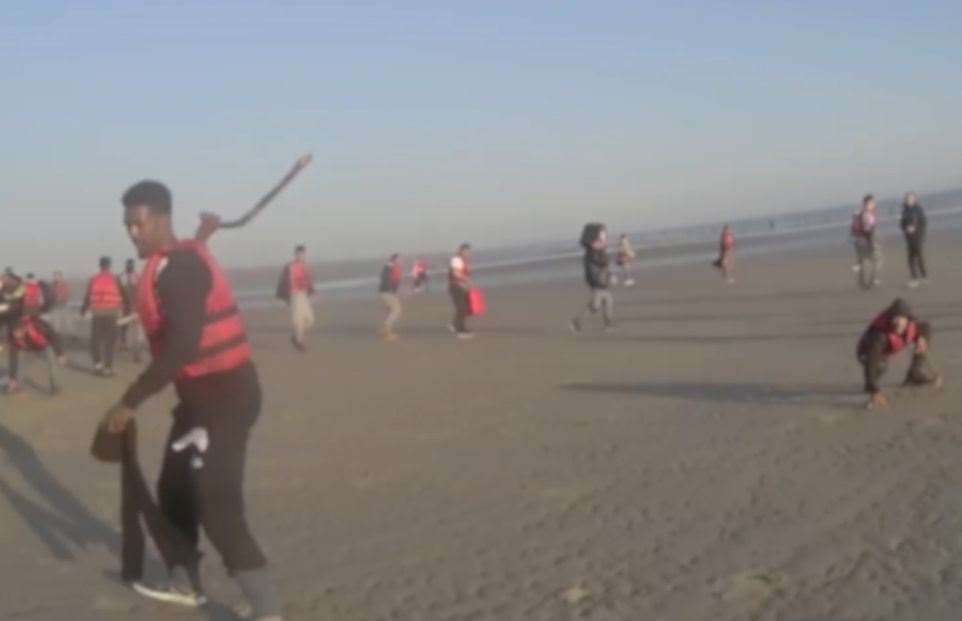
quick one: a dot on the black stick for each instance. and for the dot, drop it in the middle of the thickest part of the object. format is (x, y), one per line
(298, 166)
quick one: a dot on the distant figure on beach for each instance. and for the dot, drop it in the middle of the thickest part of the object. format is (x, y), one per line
(890, 332)
(623, 259)
(61, 298)
(868, 248)
(459, 288)
(107, 302)
(726, 254)
(21, 305)
(419, 274)
(597, 270)
(914, 225)
(131, 332)
(388, 291)
(199, 343)
(295, 287)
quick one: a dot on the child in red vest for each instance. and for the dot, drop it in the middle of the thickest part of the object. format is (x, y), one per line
(890, 332)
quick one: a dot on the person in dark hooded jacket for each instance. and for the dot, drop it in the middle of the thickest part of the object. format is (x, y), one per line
(914, 225)
(597, 267)
(892, 330)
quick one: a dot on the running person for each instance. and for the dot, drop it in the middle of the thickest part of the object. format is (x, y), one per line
(726, 254)
(388, 291)
(199, 343)
(890, 332)
(597, 268)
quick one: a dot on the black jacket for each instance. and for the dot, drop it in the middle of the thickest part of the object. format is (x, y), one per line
(597, 271)
(913, 222)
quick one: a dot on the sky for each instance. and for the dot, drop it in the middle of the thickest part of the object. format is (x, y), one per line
(433, 123)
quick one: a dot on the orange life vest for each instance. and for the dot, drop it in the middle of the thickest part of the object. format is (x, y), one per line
(29, 337)
(104, 293)
(300, 277)
(223, 342)
(32, 297)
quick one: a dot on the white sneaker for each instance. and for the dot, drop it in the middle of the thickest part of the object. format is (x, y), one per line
(465, 335)
(170, 595)
(856, 268)
(913, 284)
(630, 282)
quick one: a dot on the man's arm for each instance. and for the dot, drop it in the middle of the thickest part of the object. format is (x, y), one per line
(86, 304)
(123, 296)
(182, 290)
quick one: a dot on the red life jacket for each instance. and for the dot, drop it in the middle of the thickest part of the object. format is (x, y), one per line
(396, 274)
(300, 277)
(223, 342)
(32, 297)
(104, 293)
(29, 337)
(895, 342)
(728, 241)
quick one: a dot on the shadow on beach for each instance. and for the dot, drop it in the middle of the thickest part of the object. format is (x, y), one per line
(724, 392)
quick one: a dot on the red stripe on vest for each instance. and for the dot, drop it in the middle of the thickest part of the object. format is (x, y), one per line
(29, 337)
(104, 292)
(895, 342)
(223, 343)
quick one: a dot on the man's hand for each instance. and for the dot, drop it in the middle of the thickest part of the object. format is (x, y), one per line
(878, 400)
(115, 420)
(921, 345)
(209, 223)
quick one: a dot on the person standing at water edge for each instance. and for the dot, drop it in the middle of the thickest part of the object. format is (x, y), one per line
(726, 254)
(890, 332)
(626, 254)
(199, 343)
(868, 248)
(594, 239)
(388, 291)
(914, 225)
(106, 301)
(296, 286)
(459, 286)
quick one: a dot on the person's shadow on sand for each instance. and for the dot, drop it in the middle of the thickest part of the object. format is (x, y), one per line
(63, 523)
(727, 392)
(63, 520)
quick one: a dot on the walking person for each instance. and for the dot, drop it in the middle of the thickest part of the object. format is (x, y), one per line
(295, 287)
(106, 301)
(868, 247)
(419, 275)
(31, 334)
(199, 343)
(597, 269)
(388, 291)
(61, 298)
(726, 254)
(623, 259)
(459, 288)
(131, 332)
(914, 226)
(890, 332)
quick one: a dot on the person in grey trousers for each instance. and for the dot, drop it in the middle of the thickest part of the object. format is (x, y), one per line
(597, 268)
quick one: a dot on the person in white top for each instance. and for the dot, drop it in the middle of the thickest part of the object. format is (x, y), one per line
(459, 284)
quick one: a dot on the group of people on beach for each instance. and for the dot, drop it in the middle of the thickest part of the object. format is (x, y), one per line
(868, 246)
(182, 304)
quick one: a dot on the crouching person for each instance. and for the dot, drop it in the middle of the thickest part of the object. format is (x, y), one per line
(890, 332)
(32, 334)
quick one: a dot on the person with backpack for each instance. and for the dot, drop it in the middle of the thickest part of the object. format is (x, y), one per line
(388, 292)
(459, 288)
(295, 287)
(914, 225)
(597, 269)
(106, 300)
(891, 331)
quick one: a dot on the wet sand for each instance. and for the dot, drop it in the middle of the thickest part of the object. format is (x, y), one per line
(709, 461)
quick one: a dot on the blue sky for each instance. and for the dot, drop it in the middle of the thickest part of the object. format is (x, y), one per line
(437, 122)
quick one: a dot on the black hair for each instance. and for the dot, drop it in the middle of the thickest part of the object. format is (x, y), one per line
(900, 308)
(105, 262)
(394, 256)
(464, 246)
(153, 195)
(30, 276)
(867, 198)
(300, 248)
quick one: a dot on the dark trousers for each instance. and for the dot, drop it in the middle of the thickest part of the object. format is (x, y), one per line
(459, 296)
(205, 488)
(916, 258)
(136, 503)
(103, 339)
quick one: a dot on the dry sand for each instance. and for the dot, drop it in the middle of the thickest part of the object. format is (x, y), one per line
(709, 461)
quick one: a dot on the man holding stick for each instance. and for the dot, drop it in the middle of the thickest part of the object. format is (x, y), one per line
(199, 343)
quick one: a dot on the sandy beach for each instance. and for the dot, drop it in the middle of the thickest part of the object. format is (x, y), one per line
(709, 461)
